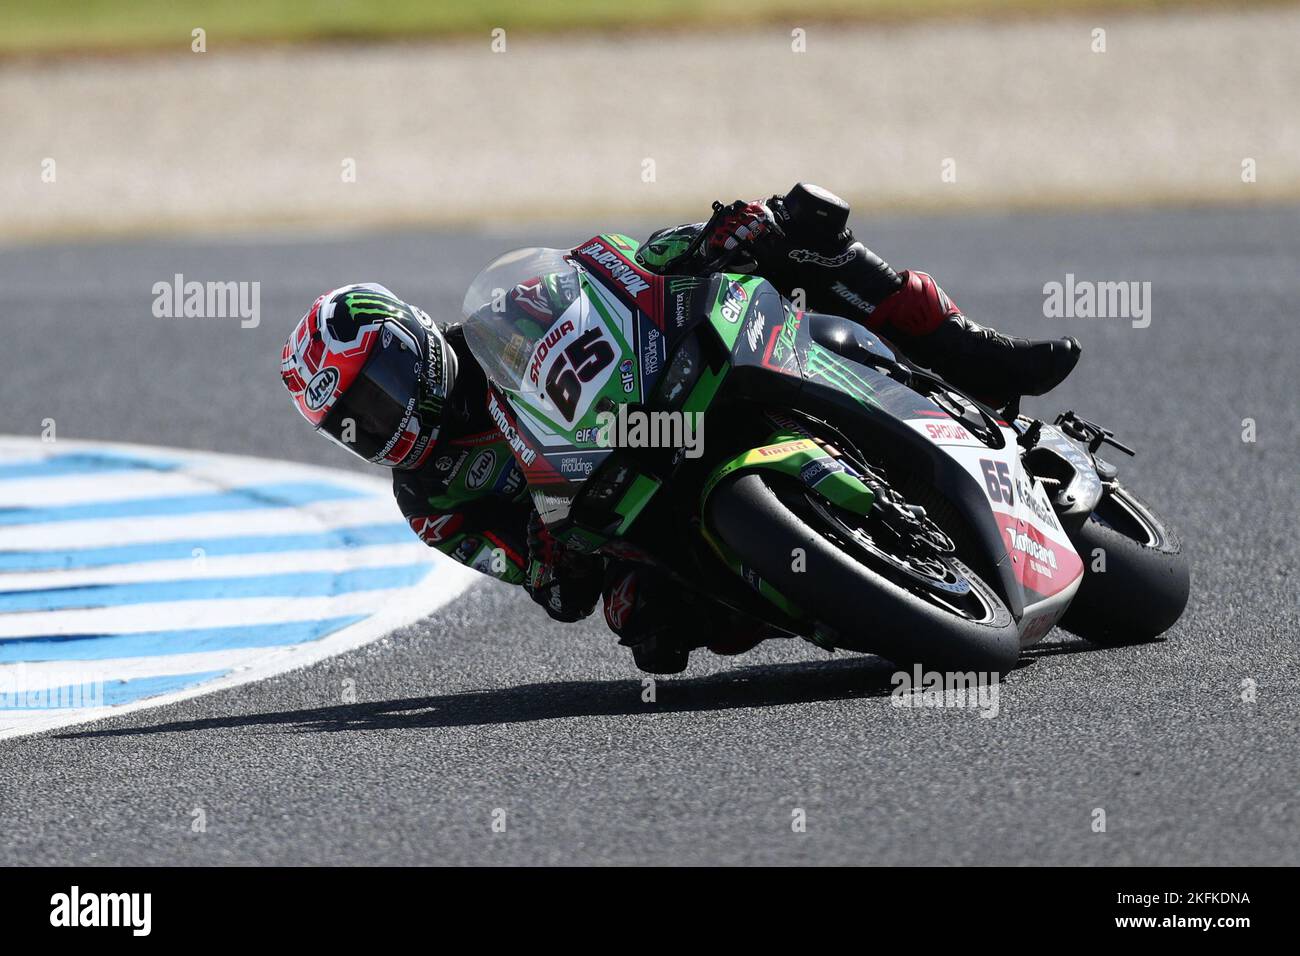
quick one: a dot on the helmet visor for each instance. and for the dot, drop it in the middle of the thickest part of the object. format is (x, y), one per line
(377, 416)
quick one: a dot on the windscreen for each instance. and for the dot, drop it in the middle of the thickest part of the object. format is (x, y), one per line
(514, 307)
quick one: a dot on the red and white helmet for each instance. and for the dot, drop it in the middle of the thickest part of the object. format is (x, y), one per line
(370, 372)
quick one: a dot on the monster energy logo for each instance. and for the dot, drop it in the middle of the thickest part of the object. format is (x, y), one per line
(831, 368)
(369, 303)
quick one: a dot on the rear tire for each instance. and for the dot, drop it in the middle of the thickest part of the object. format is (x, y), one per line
(869, 611)
(1145, 586)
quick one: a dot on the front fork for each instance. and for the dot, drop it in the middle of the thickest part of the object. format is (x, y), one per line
(816, 465)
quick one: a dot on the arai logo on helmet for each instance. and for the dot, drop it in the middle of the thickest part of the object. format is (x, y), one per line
(480, 469)
(321, 388)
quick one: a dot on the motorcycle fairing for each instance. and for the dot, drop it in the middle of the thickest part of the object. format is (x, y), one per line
(1037, 568)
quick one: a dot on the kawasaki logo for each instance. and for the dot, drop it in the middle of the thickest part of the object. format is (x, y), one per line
(622, 273)
(1026, 545)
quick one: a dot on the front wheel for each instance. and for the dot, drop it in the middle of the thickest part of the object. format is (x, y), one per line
(908, 604)
(1135, 581)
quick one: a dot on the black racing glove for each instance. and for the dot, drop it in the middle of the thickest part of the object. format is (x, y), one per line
(567, 584)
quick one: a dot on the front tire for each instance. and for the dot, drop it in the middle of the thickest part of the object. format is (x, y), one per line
(965, 627)
(1145, 586)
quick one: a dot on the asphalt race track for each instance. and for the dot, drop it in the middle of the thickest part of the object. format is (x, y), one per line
(488, 705)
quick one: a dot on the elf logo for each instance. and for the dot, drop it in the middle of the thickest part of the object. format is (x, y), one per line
(733, 302)
(103, 909)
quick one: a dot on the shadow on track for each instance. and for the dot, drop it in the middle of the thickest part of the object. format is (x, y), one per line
(760, 686)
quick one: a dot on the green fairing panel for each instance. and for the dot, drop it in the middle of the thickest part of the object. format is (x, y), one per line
(476, 472)
(666, 245)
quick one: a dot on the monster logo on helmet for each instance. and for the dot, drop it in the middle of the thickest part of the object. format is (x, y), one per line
(371, 373)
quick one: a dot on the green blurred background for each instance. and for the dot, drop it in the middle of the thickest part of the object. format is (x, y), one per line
(79, 25)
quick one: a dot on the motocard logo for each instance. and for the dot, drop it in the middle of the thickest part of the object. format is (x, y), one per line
(321, 388)
(544, 347)
(1022, 542)
(617, 269)
(518, 444)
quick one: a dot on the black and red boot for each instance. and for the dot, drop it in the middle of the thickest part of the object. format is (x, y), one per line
(930, 330)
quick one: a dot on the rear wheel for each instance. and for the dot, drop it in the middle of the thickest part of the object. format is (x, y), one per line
(888, 584)
(1144, 587)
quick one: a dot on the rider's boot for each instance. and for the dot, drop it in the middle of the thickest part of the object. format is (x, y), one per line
(931, 331)
(642, 609)
(814, 249)
(989, 365)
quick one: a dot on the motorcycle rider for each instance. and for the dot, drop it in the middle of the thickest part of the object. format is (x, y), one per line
(377, 375)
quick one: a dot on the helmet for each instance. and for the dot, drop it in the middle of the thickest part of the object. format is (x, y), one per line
(370, 372)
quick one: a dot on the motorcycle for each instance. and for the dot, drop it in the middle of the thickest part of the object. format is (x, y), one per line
(794, 468)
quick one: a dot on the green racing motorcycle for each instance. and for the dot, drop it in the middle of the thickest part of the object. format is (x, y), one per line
(794, 468)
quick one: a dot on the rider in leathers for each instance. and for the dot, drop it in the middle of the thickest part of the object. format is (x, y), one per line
(468, 498)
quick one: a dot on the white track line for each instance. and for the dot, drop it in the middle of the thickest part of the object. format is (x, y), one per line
(319, 516)
(175, 615)
(224, 566)
(201, 472)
